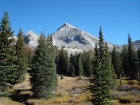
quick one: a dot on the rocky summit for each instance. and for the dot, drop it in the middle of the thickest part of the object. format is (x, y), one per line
(31, 39)
(72, 37)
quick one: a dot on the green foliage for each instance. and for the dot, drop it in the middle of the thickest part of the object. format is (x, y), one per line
(132, 60)
(63, 62)
(116, 62)
(44, 78)
(5, 94)
(8, 67)
(102, 72)
(80, 66)
(61, 76)
(124, 59)
(87, 63)
(29, 53)
(71, 70)
(138, 63)
(21, 57)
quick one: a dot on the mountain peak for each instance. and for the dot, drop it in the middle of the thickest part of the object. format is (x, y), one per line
(66, 25)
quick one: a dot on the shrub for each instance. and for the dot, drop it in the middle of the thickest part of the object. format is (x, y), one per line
(61, 100)
(82, 98)
(5, 94)
(61, 76)
(58, 95)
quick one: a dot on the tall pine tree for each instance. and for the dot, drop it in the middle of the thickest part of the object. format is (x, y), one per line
(21, 57)
(44, 78)
(8, 67)
(132, 60)
(80, 66)
(116, 62)
(102, 72)
(124, 60)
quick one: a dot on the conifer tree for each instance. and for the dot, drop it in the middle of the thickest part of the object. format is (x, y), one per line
(80, 66)
(29, 53)
(116, 62)
(132, 60)
(138, 55)
(102, 70)
(87, 58)
(124, 60)
(21, 57)
(8, 67)
(63, 62)
(88, 65)
(71, 65)
(44, 78)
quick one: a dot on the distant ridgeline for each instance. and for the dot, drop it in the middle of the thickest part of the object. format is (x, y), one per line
(72, 39)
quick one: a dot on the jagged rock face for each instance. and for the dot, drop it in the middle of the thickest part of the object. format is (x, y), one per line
(72, 37)
(31, 39)
(136, 44)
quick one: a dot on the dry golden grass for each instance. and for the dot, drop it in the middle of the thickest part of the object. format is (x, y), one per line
(6, 101)
(24, 85)
(63, 98)
(71, 82)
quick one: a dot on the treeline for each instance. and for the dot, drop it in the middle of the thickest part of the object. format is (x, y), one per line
(125, 63)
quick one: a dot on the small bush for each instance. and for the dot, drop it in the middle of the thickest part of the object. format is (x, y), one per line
(61, 100)
(5, 94)
(58, 95)
(82, 98)
(61, 76)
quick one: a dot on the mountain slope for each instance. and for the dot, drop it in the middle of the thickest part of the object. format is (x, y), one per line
(72, 37)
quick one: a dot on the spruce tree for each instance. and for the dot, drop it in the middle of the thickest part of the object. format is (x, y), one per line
(88, 65)
(8, 67)
(80, 66)
(102, 71)
(138, 55)
(132, 60)
(63, 62)
(29, 53)
(124, 60)
(44, 78)
(71, 66)
(21, 57)
(116, 62)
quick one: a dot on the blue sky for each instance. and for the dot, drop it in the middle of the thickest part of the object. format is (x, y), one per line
(117, 17)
